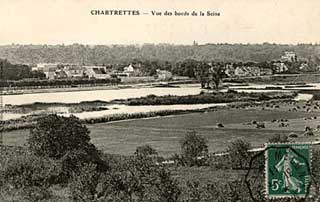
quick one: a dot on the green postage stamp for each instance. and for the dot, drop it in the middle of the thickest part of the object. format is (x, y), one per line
(288, 168)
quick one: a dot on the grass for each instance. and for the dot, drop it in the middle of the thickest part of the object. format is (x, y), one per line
(206, 174)
(164, 133)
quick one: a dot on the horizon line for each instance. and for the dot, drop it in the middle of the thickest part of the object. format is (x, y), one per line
(162, 43)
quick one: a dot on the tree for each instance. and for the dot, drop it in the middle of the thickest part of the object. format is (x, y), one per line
(193, 147)
(67, 139)
(202, 73)
(217, 72)
(54, 136)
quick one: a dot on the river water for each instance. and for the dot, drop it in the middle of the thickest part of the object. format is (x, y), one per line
(108, 95)
(104, 95)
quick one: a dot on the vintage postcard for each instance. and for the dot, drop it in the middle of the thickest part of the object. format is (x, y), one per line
(160, 101)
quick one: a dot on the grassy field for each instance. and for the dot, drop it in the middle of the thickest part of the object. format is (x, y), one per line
(164, 133)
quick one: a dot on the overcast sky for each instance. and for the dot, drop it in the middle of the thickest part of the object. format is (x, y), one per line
(241, 21)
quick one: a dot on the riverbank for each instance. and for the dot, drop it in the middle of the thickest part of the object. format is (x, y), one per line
(77, 88)
(281, 79)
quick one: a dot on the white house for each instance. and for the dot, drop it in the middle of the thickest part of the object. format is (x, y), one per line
(50, 73)
(163, 75)
(74, 71)
(289, 56)
(44, 67)
(129, 70)
(280, 67)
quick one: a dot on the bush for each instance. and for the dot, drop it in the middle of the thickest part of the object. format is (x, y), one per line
(145, 150)
(238, 153)
(278, 138)
(83, 187)
(194, 149)
(215, 192)
(28, 170)
(73, 161)
(135, 179)
(27, 177)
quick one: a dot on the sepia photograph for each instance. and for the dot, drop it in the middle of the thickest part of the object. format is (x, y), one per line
(159, 101)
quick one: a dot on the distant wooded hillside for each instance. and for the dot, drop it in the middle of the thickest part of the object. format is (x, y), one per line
(122, 54)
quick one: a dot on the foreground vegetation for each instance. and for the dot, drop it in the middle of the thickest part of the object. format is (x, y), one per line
(59, 163)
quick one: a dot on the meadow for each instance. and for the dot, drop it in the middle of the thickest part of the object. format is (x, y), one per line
(164, 133)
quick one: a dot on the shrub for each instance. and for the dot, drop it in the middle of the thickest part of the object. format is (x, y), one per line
(238, 153)
(28, 170)
(193, 147)
(27, 177)
(278, 138)
(83, 187)
(138, 179)
(73, 161)
(145, 150)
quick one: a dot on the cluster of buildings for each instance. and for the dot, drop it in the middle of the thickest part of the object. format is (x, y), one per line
(290, 57)
(64, 71)
(73, 71)
(277, 67)
(246, 71)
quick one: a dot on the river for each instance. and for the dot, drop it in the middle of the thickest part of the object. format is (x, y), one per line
(108, 95)
(104, 95)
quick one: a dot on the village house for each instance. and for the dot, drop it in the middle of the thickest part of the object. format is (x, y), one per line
(163, 75)
(289, 56)
(60, 74)
(129, 70)
(304, 67)
(280, 67)
(96, 72)
(245, 71)
(229, 70)
(44, 67)
(74, 71)
(50, 73)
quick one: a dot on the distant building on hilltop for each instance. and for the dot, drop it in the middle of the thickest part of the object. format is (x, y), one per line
(289, 56)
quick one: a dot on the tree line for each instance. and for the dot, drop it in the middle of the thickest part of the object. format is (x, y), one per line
(9, 71)
(118, 54)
